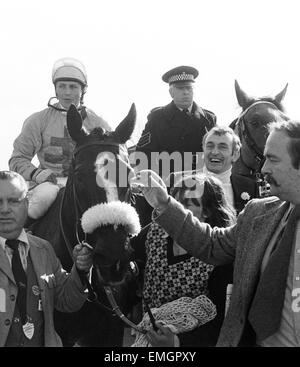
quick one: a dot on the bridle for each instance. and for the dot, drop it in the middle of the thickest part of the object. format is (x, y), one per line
(246, 136)
(92, 295)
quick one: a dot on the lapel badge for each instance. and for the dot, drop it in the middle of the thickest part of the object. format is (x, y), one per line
(245, 196)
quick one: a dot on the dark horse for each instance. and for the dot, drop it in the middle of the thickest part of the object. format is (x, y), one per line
(94, 208)
(252, 128)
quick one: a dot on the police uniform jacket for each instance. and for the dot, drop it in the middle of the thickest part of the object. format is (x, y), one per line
(168, 129)
(59, 290)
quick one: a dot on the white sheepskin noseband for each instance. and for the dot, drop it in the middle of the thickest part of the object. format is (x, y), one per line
(115, 213)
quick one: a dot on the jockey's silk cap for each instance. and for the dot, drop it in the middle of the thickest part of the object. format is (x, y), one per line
(180, 74)
(69, 68)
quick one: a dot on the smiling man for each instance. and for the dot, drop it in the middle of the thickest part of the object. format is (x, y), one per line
(263, 246)
(45, 133)
(221, 147)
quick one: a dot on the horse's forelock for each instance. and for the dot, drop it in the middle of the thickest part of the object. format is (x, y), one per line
(98, 132)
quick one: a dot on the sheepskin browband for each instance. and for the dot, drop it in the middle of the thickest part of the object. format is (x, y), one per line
(114, 213)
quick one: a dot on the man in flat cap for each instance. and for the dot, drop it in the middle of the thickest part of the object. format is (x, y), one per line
(177, 129)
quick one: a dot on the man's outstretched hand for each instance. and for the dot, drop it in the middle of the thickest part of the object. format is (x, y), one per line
(152, 187)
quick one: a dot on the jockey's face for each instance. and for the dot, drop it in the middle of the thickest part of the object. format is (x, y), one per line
(218, 152)
(13, 208)
(68, 92)
(182, 94)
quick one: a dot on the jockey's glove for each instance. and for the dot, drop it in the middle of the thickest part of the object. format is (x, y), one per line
(45, 175)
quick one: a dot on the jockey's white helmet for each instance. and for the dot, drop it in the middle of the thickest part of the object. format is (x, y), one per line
(69, 68)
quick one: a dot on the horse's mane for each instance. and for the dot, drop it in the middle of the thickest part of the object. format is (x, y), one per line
(279, 105)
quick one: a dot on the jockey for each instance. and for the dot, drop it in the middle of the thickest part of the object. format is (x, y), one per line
(45, 134)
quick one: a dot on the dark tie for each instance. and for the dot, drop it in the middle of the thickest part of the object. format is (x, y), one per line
(266, 309)
(20, 278)
(186, 111)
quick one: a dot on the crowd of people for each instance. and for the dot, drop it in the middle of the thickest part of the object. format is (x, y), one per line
(210, 230)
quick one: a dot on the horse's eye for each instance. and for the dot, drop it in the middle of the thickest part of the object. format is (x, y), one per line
(255, 123)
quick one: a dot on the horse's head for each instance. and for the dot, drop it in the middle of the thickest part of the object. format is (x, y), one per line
(107, 227)
(252, 126)
(99, 190)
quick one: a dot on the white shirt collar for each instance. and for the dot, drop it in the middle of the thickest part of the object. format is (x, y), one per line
(22, 237)
(223, 177)
(189, 108)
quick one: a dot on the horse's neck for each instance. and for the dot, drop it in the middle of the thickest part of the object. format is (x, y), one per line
(68, 219)
(48, 228)
(240, 168)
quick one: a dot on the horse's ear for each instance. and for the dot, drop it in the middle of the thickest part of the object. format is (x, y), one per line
(74, 124)
(243, 99)
(125, 129)
(280, 96)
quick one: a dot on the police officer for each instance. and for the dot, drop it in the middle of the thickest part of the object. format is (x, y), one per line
(178, 126)
(45, 133)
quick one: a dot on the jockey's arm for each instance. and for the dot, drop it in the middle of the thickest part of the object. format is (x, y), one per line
(26, 145)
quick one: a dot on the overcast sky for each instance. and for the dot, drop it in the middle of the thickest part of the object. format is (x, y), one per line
(126, 45)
